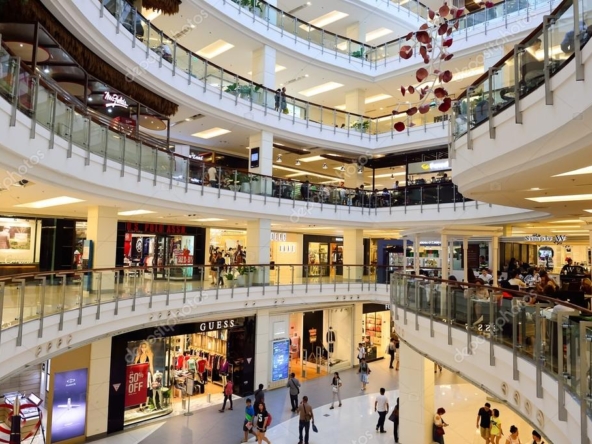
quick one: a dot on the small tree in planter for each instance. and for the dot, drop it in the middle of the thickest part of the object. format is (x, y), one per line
(361, 125)
(245, 183)
(230, 279)
(245, 274)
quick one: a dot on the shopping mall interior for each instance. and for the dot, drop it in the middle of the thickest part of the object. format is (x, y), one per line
(203, 198)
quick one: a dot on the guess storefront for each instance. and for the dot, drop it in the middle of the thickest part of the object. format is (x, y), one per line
(176, 368)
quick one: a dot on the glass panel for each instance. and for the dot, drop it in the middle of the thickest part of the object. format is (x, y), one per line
(164, 164)
(132, 153)
(44, 107)
(562, 40)
(7, 73)
(114, 148)
(503, 83)
(182, 59)
(97, 139)
(148, 159)
(531, 65)
(79, 130)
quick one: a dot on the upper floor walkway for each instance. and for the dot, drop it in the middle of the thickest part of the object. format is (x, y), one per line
(533, 107)
(88, 158)
(529, 351)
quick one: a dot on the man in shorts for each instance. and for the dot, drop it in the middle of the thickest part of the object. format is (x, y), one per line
(484, 422)
(249, 414)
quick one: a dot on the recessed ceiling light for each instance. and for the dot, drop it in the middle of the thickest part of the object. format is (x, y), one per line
(340, 107)
(325, 87)
(278, 68)
(585, 170)
(324, 20)
(53, 202)
(376, 98)
(215, 49)
(207, 219)
(377, 33)
(211, 133)
(391, 175)
(135, 212)
(568, 198)
(535, 189)
(588, 211)
(569, 231)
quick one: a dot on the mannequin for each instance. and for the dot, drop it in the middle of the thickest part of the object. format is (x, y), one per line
(157, 390)
(331, 339)
(223, 370)
(191, 365)
(295, 346)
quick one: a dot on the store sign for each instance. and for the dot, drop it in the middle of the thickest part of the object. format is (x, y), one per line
(428, 167)
(278, 237)
(114, 100)
(290, 248)
(136, 376)
(280, 360)
(430, 243)
(215, 325)
(182, 259)
(131, 227)
(558, 238)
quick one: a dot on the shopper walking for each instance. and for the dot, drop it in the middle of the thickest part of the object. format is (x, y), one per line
(438, 426)
(294, 386)
(220, 264)
(248, 426)
(484, 422)
(336, 387)
(496, 427)
(283, 105)
(262, 423)
(391, 351)
(361, 352)
(395, 418)
(277, 97)
(513, 438)
(536, 438)
(228, 390)
(259, 397)
(306, 417)
(381, 406)
(364, 372)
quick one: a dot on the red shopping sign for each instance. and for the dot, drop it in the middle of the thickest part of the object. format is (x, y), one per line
(137, 384)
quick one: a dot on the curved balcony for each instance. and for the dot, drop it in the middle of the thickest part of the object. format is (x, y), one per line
(529, 107)
(116, 162)
(521, 349)
(46, 313)
(275, 27)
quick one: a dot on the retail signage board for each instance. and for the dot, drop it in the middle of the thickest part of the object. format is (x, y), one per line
(429, 167)
(69, 405)
(132, 227)
(215, 325)
(280, 360)
(136, 376)
(558, 238)
(112, 100)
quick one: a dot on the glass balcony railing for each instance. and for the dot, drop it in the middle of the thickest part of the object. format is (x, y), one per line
(530, 65)
(364, 54)
(143, 155)
(551, 334)
(35, 296)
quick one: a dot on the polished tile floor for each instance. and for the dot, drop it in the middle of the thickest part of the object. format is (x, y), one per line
(354, 422)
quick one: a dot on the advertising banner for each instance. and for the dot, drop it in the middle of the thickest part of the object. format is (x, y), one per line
(137, 384)
(68, 418)
(280, 360)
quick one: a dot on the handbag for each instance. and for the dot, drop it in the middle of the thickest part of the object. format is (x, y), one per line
(393, 415)
(314, 428)
(440, 431)
(335, 389)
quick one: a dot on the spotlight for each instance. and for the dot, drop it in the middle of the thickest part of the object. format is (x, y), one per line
(279, 158)
(392, 175)
(297, 162)
(360, 169)
(22, 183)
(342, 168)
(325, 166)
(46, 70)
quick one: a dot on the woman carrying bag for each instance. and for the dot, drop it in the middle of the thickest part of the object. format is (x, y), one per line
(438, 427)
(336, 387)
(364, 371)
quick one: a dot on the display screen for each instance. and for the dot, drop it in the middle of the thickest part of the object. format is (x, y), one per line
(280, 360)
(254, 157)
(69, 405)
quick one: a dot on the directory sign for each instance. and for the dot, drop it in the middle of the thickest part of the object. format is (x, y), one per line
(280, 360)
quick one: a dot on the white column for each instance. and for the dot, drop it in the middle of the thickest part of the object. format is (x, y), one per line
(466, 258)
(263, 141)
(180, 166)
(208, 241)
(494, 258)
(262, 363)
(416, 397)
(416, 255)
(98, 387)
(404, 255)
(355, 102)
(258, 248)
(358, 319)
(264, 67)
(353, 252)
(102, 230)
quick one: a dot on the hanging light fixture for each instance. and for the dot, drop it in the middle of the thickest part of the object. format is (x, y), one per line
(297, 162)
(342, 168)
(279, 158)
(360, 169)
(392, 175)
(325, 166)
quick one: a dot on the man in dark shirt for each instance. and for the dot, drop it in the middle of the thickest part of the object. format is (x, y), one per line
(259, 397)
(484, 421)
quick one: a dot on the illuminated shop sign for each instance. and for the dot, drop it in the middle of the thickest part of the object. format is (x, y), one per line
(114, 100)
(558, 238)
(278, 237)
(428, 167)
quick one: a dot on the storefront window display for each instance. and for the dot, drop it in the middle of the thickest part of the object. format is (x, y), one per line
(166, 374)
(157, 246)
(19, 244)
(376, 330)
(321, 339)
(323, 255)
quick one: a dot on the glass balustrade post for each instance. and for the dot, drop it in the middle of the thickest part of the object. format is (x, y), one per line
(264, 280)
(87, 138)
(294, 111)
(80, 297)
(62, 304)
(321, 118)
(537, 351)
(432, 302)
(421, 200)
(160, 47)
(306, 268)
(323, 41)
(202, 278)
(35, 96)
(518, 49)
(40, 310)
(70, 112)
(205, 78)
(279, 188)
(292, 279)
(174, 57)
(515, 345)
(334, 121)
(219, 183)
(278, 279)
(203, 177)
(118, 8)
(321, 271)
(438, 196)
(122, 145)
(282, 25)
(585, 370)
(349, 51)
(470, 308)
(267, 18)
(416, 304)
(134, 21)
(116, 296)
(405, 198)
(105, 133)
(99, 287)
(405, 298)
(189, 67)
(335, 46)
(295, 29)
(52, 118)
(148, 39)
(547, 22)
(218, 274)
(492, 327)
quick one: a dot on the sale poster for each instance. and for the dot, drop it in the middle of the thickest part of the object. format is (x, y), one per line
(136, 384)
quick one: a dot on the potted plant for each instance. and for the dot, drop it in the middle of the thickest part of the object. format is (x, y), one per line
(358, 54)
(243, 91)
(230, 279)
(243, 180)
(245, 274)
(251, 4)
(361, 125)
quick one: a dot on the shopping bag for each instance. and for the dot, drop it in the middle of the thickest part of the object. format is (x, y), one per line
(314, 428)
